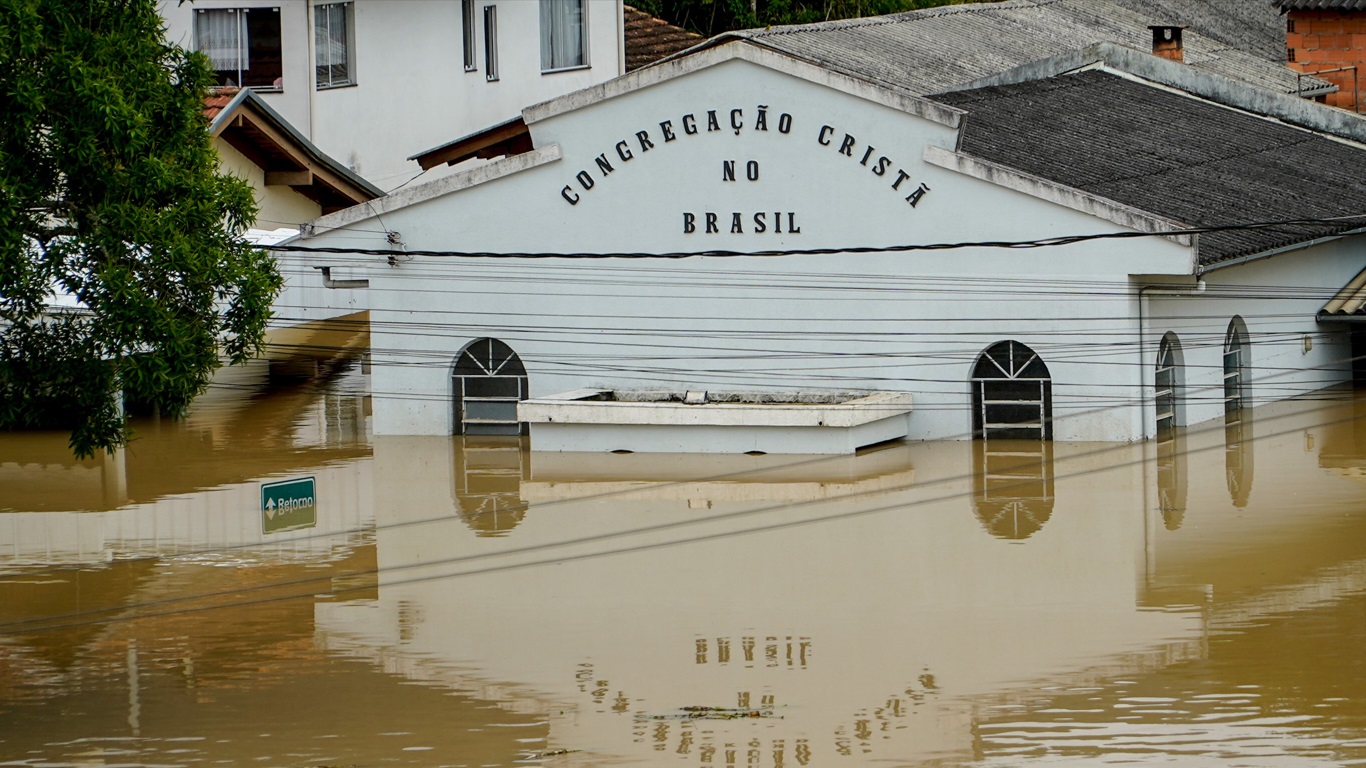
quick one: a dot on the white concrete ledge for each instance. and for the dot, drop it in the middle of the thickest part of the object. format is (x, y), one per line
(813, 423)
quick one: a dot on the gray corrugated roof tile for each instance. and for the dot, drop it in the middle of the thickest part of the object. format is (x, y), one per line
(939, 49)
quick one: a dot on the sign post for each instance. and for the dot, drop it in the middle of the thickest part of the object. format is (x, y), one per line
(288, 505)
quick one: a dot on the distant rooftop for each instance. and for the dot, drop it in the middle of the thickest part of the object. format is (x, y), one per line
(1332, 5)
(1169, 154)
(939, 49)
(1251, 26)
(648, 39)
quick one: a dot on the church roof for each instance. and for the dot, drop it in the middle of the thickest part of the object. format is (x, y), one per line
(1169, 154)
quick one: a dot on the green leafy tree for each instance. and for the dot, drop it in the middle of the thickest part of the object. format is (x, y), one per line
(712, 17)
(110, 193)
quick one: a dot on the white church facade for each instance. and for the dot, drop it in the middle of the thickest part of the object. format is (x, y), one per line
(739, 251)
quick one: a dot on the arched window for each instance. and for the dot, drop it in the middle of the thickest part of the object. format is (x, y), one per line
(487, 382)
(1235, 368)
(1237, 414)
(1167, 384)
(1012, 394)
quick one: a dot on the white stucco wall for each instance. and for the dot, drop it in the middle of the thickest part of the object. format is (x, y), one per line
(412, 92)
(1277, 297)
(904, 321)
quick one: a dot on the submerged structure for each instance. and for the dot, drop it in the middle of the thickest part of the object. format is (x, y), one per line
(1102, 245)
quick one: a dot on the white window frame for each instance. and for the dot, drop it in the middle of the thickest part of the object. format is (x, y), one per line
(547, 44)
(349, 29)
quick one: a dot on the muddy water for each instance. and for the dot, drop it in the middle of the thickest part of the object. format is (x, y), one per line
(1196, 602)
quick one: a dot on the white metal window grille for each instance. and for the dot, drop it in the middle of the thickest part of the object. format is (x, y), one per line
(242, 45)
(1167, 382)
(487, 383)
(1012, 394)
(490, 42)
(332, 35)
(564, 38)
(467, 35)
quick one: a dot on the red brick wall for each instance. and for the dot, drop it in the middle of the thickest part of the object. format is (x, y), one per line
(1316, 40)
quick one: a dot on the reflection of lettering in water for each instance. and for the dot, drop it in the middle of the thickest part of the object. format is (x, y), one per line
(1012, 486)
(689, 734)
(784, 651)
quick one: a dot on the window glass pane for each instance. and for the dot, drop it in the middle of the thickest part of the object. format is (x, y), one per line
(492, 386)
(1010, 389)
(217, 35)
(467, 28)
(491, 409)
(331, 43)
(562, 34)
(491, 42)
(1013, 413)
(264, 67)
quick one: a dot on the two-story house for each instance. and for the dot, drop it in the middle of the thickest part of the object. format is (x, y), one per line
(374, 82)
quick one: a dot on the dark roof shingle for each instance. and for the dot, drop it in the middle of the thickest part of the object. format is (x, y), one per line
(1168, 154)
(648, 39)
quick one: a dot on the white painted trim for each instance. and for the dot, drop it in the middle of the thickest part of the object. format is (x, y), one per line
(754, 53)
(1068, 197)
(433, 189)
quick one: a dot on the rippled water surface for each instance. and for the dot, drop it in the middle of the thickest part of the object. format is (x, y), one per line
(1198, 602)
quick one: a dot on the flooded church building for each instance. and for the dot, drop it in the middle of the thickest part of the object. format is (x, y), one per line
(738, 250)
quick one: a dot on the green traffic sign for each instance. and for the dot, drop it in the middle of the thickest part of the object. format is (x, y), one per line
(288, 504)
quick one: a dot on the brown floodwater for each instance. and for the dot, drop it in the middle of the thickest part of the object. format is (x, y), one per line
(1195, 602)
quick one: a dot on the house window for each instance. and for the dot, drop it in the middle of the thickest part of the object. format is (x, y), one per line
(332, 43)
(1012, 394)
(467, 34)
(487, 382)
(564, 40)
(243, 46)
(490, 42)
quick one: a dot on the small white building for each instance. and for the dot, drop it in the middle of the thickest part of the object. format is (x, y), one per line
(374, 82)
(724, 251)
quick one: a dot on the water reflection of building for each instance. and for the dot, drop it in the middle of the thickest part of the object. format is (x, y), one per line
(486, 484)
(1171, 478)
(818, 607)
(1013, 484)
(193, 485)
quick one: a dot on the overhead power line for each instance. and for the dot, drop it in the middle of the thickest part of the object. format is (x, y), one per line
(1333, 223)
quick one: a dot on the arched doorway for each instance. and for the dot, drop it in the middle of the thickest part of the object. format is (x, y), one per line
(1236, 353)
(1012, 394)
(487, 382)
(1237, 413)
(1167, 387)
